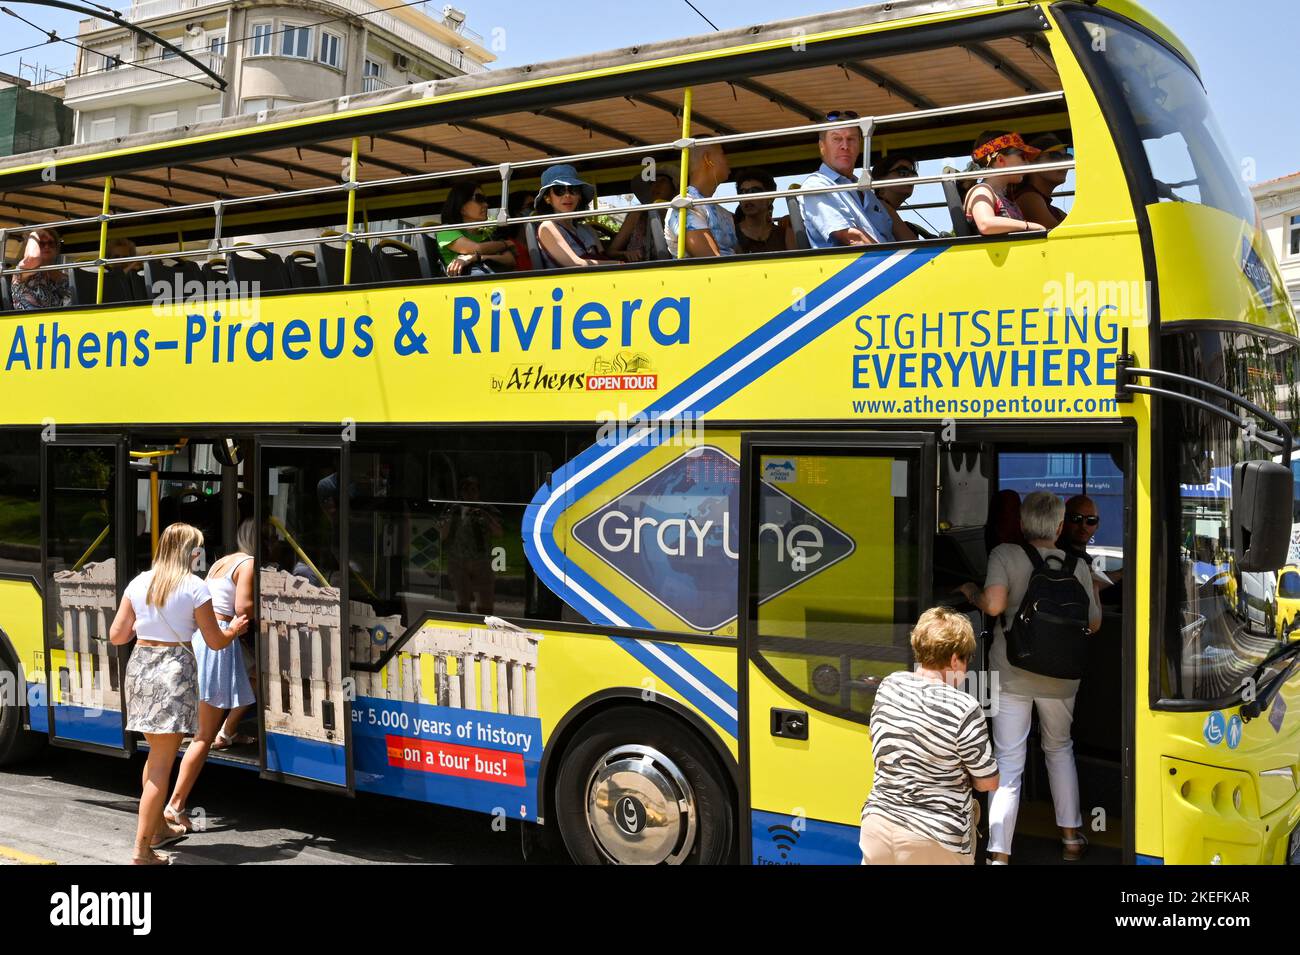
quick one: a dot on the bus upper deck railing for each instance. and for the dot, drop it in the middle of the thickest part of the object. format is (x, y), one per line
(680, 204)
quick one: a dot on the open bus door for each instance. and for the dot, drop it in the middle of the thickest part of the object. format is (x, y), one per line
(83, 558)
(838, 530)
(302, 620)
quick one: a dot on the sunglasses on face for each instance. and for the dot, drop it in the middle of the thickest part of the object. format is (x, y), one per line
(566, 190)
(751, 190)
(838, 114)
(46, 243)
(478, 197)
(904, 171)
(1092, 520)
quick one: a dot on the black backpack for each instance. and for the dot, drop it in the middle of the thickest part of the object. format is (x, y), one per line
(1049, 633)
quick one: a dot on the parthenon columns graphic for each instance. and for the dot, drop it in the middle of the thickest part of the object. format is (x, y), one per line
(301, 642)
(473, 668)
(85, 602)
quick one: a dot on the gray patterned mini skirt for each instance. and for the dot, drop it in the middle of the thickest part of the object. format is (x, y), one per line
(162, 690)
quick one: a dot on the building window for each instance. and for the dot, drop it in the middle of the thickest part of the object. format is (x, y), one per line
(207, 113)
(1293, 240)
(295, 41)
(102, 129)
(253, 106)
(165, 120)
(261, 39)
(217, 44)
(373, 76)
(168, 54)
(112, 59)
(331, 45)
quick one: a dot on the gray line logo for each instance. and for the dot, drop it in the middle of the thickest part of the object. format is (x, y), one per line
(675, 536)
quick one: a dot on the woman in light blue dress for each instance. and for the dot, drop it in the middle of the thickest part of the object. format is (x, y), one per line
(225, 692)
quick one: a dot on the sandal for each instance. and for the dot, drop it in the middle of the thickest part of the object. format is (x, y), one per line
(181, 818)
(239, 739)
(171, 833)
(1072, 850)
(153, 858)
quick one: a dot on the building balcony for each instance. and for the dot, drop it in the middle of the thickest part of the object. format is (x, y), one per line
(371, 84)
(137, 86)
(466, 56)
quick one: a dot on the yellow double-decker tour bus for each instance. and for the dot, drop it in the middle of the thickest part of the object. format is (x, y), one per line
(621, 548)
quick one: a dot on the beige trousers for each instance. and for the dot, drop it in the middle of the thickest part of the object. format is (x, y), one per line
(886, 843)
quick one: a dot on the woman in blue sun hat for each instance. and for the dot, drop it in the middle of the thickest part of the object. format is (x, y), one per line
(566, 243)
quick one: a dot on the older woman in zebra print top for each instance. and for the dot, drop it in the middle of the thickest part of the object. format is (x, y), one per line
(931, 749)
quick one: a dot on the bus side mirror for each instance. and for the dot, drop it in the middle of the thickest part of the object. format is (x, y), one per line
(1262, 496)
(227, 452)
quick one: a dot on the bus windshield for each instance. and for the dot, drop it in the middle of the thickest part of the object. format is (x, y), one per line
(1222, 622)
(1188, 159)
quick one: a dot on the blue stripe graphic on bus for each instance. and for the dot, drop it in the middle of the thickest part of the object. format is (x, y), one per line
(869, 275)
(472, 759)
(83, 725)
(796, 840)
(306, 758)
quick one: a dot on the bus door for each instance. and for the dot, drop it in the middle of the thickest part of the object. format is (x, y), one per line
(838, 531)
(84, 568)
(302, 620)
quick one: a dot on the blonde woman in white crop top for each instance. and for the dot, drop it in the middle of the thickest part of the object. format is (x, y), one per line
(161, 610)
(225, 693)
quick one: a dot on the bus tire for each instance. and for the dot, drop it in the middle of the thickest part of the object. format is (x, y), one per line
(17, 745)
(640, 787)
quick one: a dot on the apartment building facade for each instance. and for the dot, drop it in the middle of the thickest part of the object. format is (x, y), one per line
(271, 54)
(1278, 201)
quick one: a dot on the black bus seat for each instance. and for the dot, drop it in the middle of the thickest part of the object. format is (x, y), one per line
(952, 195)
(797, 223)
(119, 286)
(329, 262)
(431, 264)
(397, 261)
(215, 270)
(85, 284)
(130, 286)
(301, 268)
(430, 254)
(655, 231)
(166, 271)
(248, 265)
(534, 248)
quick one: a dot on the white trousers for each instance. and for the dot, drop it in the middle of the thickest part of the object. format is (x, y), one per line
(1010, 745)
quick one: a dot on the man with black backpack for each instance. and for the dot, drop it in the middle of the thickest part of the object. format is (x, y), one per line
(1045, 608)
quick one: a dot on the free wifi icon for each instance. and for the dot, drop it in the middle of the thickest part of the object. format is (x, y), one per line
(784, 838)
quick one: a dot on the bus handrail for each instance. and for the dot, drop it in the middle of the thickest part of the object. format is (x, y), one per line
(571, 158)
(678, 204)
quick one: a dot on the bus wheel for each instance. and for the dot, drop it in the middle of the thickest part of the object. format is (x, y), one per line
(638, 788)
(16, 743)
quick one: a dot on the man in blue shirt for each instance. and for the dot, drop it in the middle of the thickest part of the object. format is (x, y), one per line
(853, 217)
(710, 230)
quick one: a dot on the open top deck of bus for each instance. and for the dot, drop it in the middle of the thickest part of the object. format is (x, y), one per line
(758, 78)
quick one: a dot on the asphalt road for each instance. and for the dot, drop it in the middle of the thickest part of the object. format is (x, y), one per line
(71, 807)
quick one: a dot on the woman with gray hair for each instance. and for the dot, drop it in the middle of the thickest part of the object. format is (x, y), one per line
(1019, 691)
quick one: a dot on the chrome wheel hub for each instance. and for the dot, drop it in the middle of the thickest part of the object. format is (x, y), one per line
(640, 808)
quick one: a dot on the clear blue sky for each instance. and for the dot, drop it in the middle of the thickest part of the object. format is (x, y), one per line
(1246, 49)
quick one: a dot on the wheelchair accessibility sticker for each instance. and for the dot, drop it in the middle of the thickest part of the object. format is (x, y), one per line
(1215, 729)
